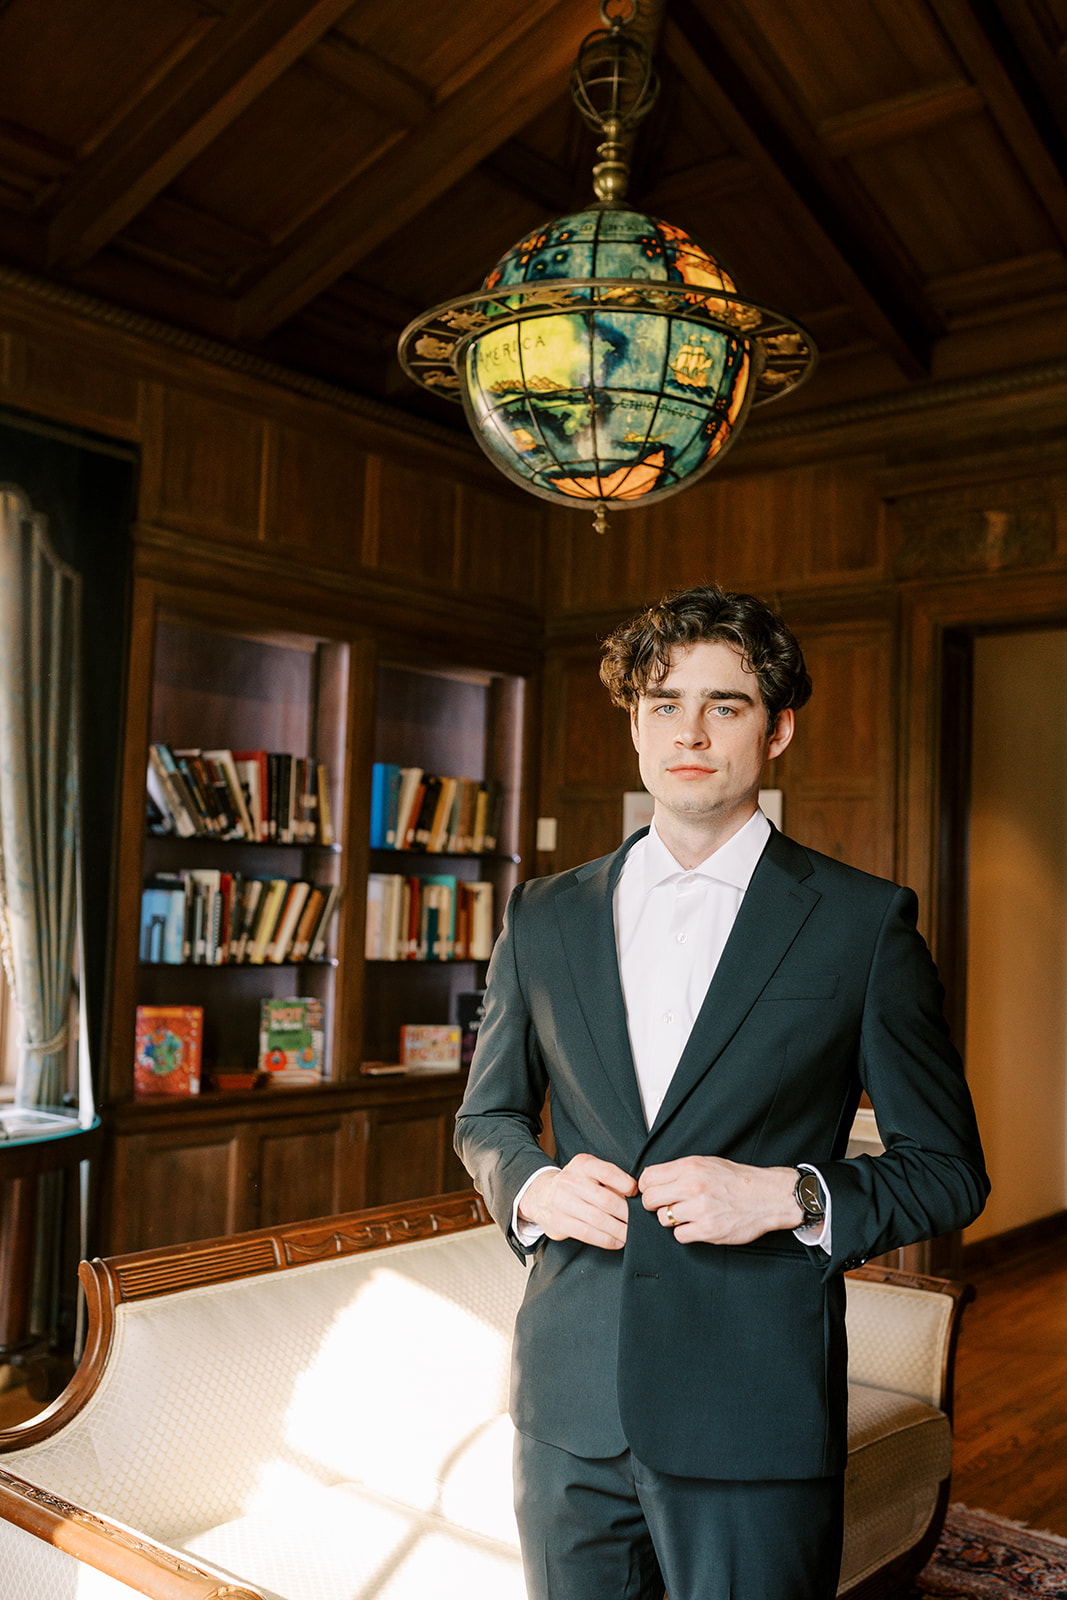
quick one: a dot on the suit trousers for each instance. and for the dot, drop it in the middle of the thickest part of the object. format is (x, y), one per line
(616, 1529)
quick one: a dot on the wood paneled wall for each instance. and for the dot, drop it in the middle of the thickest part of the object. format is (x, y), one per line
(242, 470)
(875, 549)
(876, 531)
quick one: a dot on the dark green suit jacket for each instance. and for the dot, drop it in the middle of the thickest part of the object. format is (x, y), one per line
(707, 1360)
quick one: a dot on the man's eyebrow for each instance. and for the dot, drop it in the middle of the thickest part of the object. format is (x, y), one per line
(702, 694)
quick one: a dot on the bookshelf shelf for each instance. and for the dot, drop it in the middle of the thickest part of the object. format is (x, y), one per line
(459, 731)
(425, 961)
(232, 967)
(170, 842)
(384, 854)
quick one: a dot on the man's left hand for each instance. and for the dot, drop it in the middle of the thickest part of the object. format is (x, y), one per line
(710, 1200)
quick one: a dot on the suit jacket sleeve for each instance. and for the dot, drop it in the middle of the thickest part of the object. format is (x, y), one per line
(932, 1176)
(501, 1115)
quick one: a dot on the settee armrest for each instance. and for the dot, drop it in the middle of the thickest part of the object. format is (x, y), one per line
(130, 1559)
(903, 1330)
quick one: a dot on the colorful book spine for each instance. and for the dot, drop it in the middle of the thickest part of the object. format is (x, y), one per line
(255, 795)
(428, 917)
(416, 810)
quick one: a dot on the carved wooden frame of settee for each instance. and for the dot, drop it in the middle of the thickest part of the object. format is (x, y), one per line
(150, 1568)
(145, 1566)
(896, 1576)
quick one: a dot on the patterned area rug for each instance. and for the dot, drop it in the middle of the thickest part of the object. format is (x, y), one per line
(982, 1557)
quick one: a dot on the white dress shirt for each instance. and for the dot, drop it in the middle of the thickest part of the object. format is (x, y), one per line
(671, 927)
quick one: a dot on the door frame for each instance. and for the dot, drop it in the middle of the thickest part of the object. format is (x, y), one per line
(939, 625)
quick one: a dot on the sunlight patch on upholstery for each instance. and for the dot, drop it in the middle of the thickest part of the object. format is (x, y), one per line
(432, 1374)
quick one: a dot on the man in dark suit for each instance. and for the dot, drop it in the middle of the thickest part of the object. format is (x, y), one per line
(705, 1005)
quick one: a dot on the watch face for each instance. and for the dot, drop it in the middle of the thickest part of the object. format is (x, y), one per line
(809, 1193)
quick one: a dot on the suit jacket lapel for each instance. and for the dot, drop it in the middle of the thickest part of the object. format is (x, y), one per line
(776, 905)
(587, 928)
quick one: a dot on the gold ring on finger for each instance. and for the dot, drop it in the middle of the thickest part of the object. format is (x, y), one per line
(670, 1217)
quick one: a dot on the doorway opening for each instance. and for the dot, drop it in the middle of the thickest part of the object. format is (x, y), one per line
(1014, 923)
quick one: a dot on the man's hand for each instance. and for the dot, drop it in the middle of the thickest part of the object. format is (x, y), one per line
(584, 1200)
(704, 1198)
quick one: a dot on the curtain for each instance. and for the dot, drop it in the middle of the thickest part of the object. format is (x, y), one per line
(40, 605)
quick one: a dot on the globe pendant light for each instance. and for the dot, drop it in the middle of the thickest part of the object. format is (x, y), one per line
(607, 359)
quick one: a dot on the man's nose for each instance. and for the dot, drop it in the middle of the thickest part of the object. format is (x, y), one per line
(692, 731)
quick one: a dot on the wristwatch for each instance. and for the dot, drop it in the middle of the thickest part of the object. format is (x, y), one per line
(808, 1196)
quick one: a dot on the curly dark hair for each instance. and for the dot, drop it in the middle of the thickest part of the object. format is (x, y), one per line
(637, 654)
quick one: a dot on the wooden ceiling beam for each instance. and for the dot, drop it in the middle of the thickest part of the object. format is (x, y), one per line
(351, 299)
(371, 80)
(710, 180)
(229, 67)
(531, 175)
(703, 60)
(1008, 108)
(1041, 39)
(903, 117)
(518, 84)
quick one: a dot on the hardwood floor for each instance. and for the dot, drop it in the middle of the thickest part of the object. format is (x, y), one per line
(1010, 1454)
(1011, 1394)
(16, 1404)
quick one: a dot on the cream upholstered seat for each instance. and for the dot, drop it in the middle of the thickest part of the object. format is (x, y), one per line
(318, 1413)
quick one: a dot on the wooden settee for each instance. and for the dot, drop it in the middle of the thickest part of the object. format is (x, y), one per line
(318, 1412)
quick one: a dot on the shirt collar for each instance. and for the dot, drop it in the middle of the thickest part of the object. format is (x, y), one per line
(733, 863)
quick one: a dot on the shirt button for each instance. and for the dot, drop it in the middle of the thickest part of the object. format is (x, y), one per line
(668, 1016)
(681, 937)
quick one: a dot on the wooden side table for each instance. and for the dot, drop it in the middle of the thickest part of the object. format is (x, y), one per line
(31, 1144)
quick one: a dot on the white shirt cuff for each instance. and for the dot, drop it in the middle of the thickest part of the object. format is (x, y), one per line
(815, 1233)
(527, 1233)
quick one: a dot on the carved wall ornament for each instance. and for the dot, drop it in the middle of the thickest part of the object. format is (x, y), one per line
(978, 528)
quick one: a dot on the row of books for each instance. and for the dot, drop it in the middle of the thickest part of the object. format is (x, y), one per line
(169, 1043)
(416, 810)
(211, 918)
(261, 795)
(433, 917)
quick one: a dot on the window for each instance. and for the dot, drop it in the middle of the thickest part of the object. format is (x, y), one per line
(9, 1055)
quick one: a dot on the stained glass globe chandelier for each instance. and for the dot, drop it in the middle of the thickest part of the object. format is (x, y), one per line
(607, 360)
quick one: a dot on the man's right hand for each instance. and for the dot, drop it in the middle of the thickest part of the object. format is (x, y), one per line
(584, 1200)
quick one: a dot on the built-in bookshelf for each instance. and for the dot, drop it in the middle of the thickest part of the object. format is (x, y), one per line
(436, 893)
(225, 672)
(225, 702)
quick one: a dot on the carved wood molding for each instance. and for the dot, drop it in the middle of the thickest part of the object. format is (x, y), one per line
(359, 597)
(402, 426)
(148, 1274)
(914, 402)
(374, 1234)
(128, 1557)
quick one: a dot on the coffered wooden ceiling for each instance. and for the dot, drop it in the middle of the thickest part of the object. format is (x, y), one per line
(298, 178)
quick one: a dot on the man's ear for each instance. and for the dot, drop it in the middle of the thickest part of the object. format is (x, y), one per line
(784, 728)
(633, 729)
